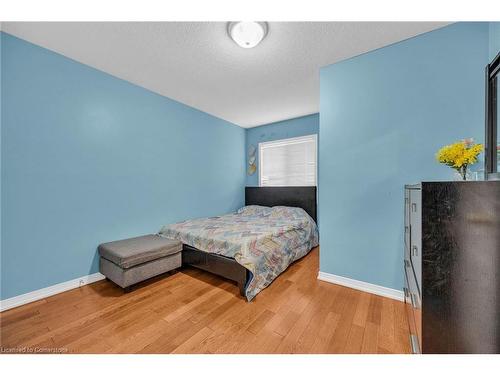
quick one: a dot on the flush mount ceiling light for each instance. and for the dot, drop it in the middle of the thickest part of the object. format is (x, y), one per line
(247, 34)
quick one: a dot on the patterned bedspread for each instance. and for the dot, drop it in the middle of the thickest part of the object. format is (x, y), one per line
(264, 240)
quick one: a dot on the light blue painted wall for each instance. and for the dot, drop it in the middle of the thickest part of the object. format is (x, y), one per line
(0, 161)
(296, 127)
(89, 158)
(494, 39)
(383, 116)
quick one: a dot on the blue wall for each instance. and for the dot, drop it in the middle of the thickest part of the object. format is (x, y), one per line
(88, 158)
(296, 127)
(494, 37)
(0, 163)
(383, 116)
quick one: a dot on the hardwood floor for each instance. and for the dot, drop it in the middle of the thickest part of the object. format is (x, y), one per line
(191, 311)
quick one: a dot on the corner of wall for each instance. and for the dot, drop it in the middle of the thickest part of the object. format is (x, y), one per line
(143, 161)
(295, 127)
(380, 128)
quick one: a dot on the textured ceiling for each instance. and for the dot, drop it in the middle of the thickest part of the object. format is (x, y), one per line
(197, 64)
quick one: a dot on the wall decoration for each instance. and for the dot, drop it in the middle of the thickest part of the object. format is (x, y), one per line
(251, 160)
(251, 169)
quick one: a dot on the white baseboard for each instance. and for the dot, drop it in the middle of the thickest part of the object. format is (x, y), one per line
(361, 285)
(36, 295)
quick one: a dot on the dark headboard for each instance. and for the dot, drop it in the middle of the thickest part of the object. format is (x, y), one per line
(292, 196)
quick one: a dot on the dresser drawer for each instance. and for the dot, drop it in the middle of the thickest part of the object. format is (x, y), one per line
(412, 282)
(409, 317)
(413, 304)
(407, 225)
(415, 236)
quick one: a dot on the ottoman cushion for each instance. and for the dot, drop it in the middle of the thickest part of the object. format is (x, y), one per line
(133, 251)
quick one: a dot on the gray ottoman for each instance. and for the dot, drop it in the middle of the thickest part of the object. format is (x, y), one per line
(127, 262)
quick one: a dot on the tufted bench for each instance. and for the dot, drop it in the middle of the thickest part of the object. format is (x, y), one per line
(127, 262)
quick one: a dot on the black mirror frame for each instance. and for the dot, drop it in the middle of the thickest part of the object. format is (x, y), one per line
(492, 70)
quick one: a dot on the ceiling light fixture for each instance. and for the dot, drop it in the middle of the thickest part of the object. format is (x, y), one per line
(247, 34)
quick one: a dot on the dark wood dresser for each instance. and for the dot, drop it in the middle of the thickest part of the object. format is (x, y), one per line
(452, 266)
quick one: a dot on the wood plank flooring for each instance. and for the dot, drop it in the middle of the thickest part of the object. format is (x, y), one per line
(191, 311)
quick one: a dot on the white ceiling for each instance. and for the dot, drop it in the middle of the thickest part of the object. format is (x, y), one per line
(197, 64)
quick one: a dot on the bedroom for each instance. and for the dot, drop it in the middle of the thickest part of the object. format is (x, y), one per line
(260, 187)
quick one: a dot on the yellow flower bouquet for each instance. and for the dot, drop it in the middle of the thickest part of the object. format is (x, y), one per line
(460, 155)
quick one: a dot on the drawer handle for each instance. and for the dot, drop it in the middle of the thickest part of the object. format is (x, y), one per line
(407, 263)
(414, 207)
(415, 251)
(414, 344)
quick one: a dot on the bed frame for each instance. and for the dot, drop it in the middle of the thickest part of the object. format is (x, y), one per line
(292, 196)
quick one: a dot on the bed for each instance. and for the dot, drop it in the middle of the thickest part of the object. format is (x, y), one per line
(254, 245)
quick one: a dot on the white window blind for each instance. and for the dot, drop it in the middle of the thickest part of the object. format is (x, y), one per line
(288, 162)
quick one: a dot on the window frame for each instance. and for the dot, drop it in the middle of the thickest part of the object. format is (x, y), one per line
(313, 137)
(491, 140)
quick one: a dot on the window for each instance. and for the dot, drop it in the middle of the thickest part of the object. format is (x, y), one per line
(288, 162)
